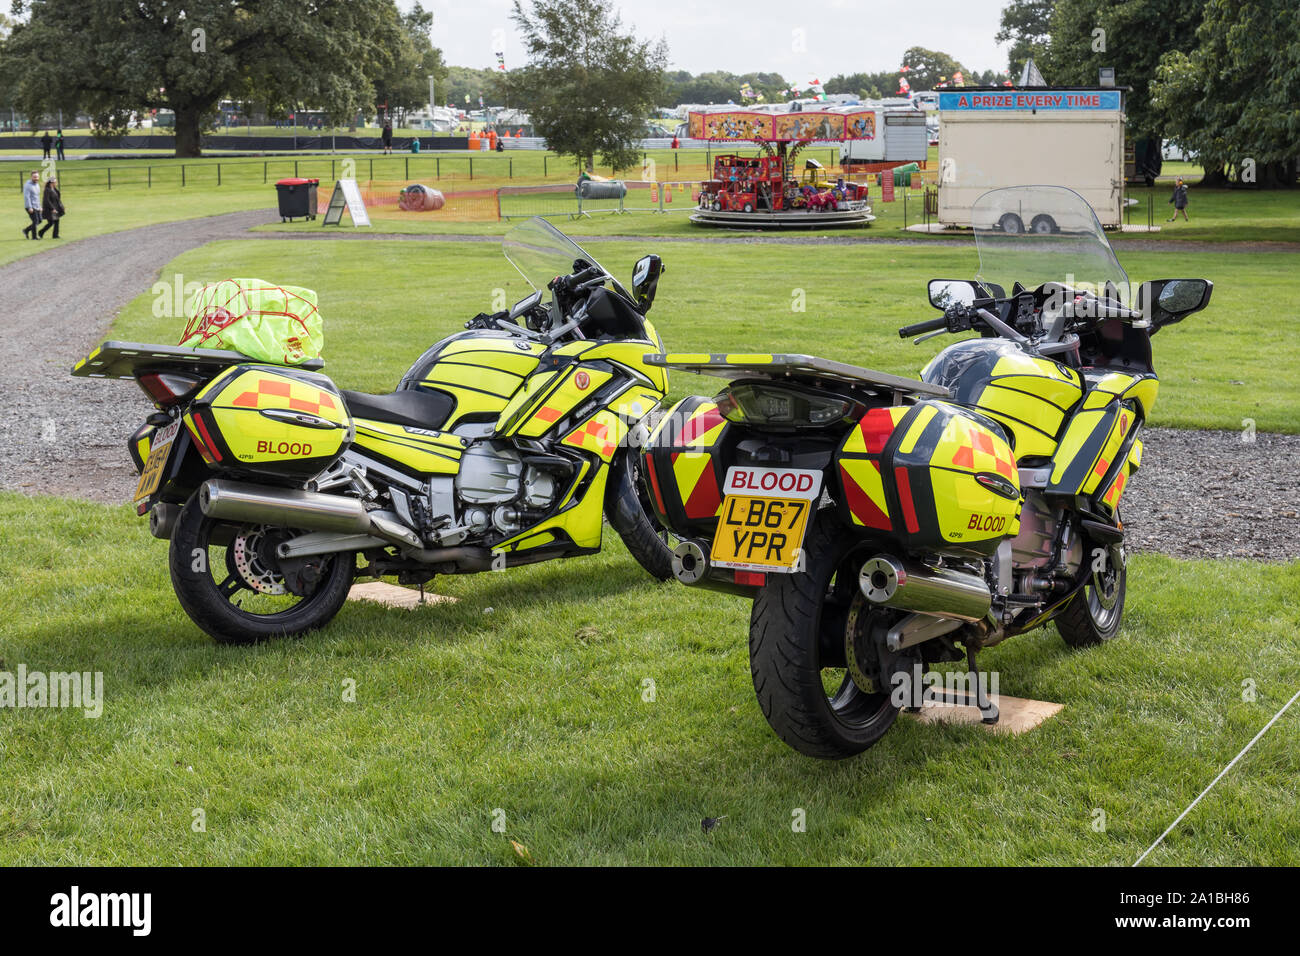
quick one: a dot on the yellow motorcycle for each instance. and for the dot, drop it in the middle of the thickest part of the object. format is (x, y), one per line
(504, 444)
(879, 521)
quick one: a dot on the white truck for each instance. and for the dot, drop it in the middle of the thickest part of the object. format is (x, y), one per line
(990, 138)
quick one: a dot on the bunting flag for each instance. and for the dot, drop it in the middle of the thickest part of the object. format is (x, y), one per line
(958, 79)
(903, 86)
(501, 60)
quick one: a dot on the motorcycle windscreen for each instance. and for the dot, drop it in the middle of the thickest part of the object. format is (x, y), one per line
(1038, 234)
(540, 252)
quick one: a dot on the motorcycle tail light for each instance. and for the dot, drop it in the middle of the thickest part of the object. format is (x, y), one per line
(767, 405)
(168, 388)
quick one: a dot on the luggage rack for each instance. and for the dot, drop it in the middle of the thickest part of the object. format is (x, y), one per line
(121, 359)
(786, 365)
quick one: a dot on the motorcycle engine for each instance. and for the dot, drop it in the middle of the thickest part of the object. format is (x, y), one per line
(497, 489)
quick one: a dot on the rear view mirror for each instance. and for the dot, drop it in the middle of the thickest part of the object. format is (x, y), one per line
(645, 280)
(1166, 301)
(1183, 296)
(945, 293)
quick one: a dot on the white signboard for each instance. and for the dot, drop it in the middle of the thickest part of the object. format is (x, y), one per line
(347, 195)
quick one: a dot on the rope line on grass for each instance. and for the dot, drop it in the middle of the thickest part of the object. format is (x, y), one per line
(1244, 749)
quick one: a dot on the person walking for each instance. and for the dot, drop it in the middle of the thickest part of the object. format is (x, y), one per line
(387, 135)
(1179, 199)
(51, 207)
(46, 141)
(32, 204)
(58, 146)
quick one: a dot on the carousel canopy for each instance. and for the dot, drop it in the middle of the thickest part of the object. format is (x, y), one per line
(738, 124)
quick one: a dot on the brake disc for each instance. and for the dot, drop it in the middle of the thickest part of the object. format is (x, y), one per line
(248, 550)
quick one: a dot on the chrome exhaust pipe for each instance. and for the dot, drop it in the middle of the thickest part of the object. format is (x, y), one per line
(692, 568)
(908, 586)
(305, 510)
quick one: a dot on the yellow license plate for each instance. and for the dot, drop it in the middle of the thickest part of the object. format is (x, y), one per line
(760, 534)
(156, 464)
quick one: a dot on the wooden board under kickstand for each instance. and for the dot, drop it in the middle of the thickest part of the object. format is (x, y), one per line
(381, 592)
(1016, 714)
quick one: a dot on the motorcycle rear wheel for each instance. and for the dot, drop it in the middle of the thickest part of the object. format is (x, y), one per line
(234, 591)
(797, 619)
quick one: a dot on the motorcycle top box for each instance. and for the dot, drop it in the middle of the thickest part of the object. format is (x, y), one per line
(271, 421)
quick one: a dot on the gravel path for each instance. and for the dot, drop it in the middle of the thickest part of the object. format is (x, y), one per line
(1199, 493)
(65, 435)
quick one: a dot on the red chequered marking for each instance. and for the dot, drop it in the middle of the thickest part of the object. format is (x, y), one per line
(548, 414)
(1102, 465)
(1006, 468)
(983, 442)
(274, 389)
(598, 432)
(964, 458)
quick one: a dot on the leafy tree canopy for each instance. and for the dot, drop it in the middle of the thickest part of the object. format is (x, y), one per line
(1129, 35)
(111, 58)
(1234, 100)
(1026, 24)
(588, 86)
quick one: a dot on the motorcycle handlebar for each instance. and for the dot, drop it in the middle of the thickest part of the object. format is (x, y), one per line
(930, 325)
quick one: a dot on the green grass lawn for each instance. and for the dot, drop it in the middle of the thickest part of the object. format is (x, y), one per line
(384, 302)
(94, 213)
(535, 709)
(144, 190)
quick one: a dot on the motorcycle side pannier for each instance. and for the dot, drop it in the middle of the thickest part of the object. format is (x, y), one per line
(931, 476)
(684, 466)
(270, 422)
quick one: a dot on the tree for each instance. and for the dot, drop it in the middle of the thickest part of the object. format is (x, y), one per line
(925, 67)
(115, 58)
(867, 86)
(403, 71)
(1026, 24)
(587, 86)
(1234, 100)
(1129, 35)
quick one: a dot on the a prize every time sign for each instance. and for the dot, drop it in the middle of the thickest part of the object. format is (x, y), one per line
(1051, 100)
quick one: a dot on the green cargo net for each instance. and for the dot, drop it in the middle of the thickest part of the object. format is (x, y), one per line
(266, 322)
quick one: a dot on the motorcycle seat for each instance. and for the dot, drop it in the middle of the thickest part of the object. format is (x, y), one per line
(415, 407)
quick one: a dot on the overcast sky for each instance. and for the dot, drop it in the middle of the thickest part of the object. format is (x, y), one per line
(840, 36)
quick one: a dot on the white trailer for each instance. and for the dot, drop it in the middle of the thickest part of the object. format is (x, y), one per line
(900, 137)
(1036, 136)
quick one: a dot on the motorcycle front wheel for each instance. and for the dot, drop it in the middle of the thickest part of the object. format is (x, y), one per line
(630, 513)
(797, 637)
(230, 583)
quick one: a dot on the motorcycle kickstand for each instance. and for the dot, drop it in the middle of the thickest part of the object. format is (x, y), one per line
(989, 713)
